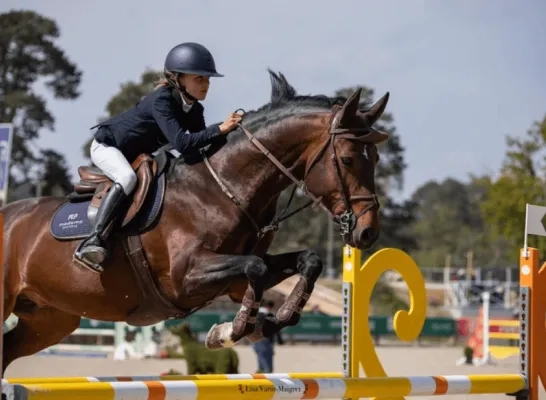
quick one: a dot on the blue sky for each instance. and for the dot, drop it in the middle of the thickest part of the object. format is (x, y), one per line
(462, 74)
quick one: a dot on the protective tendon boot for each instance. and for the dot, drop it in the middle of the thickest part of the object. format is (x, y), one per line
(93, 251)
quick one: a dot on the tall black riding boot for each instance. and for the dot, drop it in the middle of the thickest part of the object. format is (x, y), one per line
(93, 250)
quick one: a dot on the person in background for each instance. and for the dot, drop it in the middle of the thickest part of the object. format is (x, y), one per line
(265, 348)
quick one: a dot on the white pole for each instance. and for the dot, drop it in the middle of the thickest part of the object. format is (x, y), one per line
(486, 359)
(525, 252)
(447, 286)
(330, 270)
(119, 335)
(485, 322)
(508, 288)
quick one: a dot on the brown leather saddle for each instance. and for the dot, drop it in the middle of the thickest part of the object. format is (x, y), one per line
(94, 181)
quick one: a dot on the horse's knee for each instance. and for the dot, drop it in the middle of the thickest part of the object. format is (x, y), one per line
(256, 269)
(310, 265)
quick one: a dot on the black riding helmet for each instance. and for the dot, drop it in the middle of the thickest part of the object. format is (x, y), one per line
(189, 58)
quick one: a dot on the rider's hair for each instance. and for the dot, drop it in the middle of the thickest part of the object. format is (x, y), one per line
(163, 81)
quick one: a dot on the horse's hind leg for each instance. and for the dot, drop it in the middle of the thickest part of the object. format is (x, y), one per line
(309, 266)
(36, 329)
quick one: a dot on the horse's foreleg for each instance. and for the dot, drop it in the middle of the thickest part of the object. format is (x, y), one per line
(220, 271)
(309, 265)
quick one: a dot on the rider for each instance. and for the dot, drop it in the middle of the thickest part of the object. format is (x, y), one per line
(167, 115)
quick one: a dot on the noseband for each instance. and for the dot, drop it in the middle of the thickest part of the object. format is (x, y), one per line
(346, 220)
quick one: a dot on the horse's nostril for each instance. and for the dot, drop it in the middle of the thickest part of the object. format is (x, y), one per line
(367, 235)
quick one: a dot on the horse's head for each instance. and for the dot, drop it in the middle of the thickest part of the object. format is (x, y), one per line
(326, 146)
(340, 168)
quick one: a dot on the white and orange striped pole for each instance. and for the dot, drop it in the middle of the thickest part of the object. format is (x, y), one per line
(262, 389)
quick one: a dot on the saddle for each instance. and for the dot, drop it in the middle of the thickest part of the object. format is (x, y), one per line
(94, 183)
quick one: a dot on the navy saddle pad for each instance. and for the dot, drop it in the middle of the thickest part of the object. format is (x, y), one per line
(70, 222)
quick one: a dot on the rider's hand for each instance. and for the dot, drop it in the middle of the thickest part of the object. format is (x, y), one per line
(230, 123)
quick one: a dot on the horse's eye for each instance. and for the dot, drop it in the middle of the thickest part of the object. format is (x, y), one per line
(346, 161)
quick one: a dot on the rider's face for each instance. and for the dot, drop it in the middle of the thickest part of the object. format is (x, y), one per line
(196, 85)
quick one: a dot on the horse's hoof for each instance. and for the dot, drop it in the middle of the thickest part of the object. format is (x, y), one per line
(219, 336)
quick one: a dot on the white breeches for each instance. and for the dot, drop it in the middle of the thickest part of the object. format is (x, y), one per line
(114, 165)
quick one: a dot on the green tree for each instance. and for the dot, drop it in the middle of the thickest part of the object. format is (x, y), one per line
(55, 172)
(30, 56)
(449, 222)
(521, 180)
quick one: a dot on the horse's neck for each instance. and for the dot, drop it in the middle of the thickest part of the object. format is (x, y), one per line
(262, 181)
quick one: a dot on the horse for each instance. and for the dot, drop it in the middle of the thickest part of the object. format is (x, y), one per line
(197, 229)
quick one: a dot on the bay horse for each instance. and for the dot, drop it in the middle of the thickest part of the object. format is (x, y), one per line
(204, 230)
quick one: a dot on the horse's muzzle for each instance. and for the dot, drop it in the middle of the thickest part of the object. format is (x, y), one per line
(365, 237)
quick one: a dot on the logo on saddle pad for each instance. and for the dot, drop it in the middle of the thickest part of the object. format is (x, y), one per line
(75, 218)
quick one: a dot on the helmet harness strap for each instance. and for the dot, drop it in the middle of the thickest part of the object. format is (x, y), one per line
(178, 86)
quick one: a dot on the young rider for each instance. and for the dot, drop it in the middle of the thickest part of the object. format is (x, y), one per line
(171, 114)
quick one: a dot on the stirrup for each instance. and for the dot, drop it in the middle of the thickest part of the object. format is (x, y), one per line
(80, 259)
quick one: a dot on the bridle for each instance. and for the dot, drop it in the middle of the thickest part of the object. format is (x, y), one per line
(346, 220)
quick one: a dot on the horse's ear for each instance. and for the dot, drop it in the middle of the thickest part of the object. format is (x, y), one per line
(280, 88)
(345, 116)
(373, 114)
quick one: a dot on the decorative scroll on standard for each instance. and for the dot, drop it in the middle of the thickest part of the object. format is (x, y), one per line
(358, 284)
